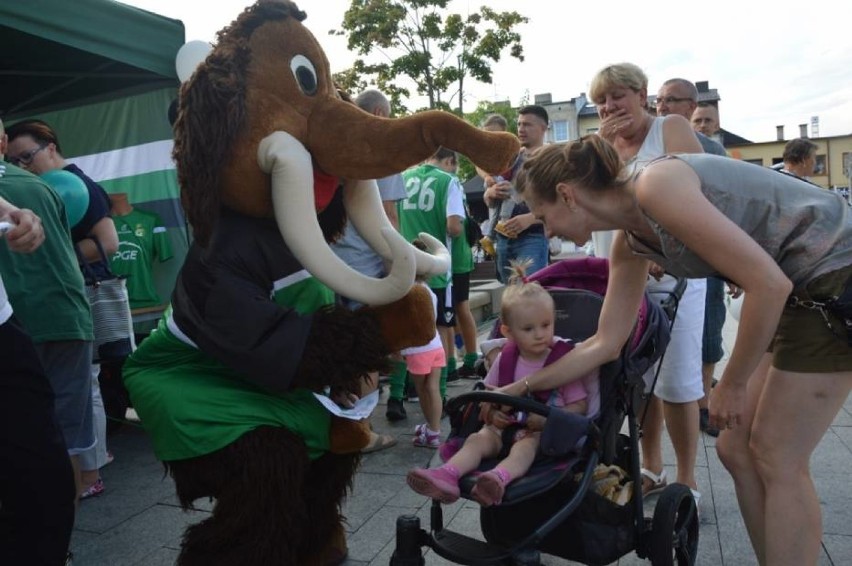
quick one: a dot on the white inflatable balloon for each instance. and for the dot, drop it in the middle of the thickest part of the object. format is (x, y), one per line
(734, 306)
(189, 56)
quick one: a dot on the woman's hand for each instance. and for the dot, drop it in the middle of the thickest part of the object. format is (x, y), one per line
(516, 389)
(614, 124)
(727, 404)
(656, 271)
(734, 291)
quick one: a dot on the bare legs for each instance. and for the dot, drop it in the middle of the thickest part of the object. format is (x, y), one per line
(486, 444)
(682, 425)
(768, 456)
(428, 391)
(707, 371)
(466, 326)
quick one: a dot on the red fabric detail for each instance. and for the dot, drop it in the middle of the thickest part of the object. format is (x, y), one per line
(325, 186)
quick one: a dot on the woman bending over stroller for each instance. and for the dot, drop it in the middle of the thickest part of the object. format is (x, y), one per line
(786, 243)
(527, 315)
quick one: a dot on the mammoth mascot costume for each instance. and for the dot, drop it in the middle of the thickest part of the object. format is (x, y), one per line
(271, 161)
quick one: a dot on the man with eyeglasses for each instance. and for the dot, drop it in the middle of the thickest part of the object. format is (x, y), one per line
(679, 96)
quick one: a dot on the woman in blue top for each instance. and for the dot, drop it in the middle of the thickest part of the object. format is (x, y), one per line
(782, 241)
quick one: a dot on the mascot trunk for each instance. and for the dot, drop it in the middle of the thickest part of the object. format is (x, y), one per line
(271, 161)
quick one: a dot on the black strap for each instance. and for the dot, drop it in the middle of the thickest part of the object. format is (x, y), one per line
(89, 273)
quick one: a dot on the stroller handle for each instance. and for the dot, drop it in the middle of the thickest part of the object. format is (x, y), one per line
(521, 403)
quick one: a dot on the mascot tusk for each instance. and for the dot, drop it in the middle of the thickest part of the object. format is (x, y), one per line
(364, 208)
(289, 164)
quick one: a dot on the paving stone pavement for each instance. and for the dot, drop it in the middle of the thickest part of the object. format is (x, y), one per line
(137, 521)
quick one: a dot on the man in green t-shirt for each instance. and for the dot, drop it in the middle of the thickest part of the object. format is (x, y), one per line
(46, 290)
(37, 491)
(434, 204)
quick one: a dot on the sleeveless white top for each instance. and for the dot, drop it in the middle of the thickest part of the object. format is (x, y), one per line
(653, 147)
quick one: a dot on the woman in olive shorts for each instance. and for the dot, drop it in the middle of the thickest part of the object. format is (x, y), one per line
(786, 243)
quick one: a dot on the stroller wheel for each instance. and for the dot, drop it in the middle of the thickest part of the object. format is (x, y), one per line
(674, 534)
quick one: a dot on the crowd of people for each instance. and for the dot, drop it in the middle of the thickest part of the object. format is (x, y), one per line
(656, 195)
(666, 225)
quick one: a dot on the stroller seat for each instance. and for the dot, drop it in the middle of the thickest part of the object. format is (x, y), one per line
(559, 454)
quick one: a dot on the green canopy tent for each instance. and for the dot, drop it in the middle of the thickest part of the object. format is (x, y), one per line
(102, 74)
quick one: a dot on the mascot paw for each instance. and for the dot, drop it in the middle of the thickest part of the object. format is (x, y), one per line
(348, 436)
(407, 322)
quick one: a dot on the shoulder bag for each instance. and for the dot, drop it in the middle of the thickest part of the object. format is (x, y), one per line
(110, 306)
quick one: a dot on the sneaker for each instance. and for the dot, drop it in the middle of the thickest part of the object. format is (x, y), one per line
(69, 559)
(411, 393)
(466, 372)
(93, 490)
(395, 411)
(479, 368)
(490, 487)
(435, 483)
(704, 423)
(697, 496)
(424, 439)
(453, 376)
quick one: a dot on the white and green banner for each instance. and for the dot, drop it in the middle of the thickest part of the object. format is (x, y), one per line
(125, 144)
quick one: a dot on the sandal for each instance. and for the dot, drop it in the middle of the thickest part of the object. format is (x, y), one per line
(655, 483)
(378, 442)
(93, 490)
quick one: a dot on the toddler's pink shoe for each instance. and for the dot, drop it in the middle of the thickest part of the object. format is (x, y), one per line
(490, 487)
(436, 483)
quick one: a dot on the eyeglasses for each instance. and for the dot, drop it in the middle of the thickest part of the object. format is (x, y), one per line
(670, 99)
(27, 157)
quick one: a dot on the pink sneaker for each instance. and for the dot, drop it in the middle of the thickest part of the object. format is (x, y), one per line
(490, 487)
(425, 439)
(93, 490)
(436, 483)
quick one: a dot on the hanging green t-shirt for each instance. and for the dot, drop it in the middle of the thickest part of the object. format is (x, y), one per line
(45, 287)
(142, 238)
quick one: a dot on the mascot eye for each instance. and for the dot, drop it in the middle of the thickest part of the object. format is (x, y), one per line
(306, 75)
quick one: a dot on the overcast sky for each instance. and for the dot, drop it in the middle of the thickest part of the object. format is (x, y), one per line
(773, 62)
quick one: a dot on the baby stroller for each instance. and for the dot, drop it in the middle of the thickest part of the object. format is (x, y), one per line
(555, 508)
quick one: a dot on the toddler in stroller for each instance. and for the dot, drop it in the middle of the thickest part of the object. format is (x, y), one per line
(555, 507)
(527, 319)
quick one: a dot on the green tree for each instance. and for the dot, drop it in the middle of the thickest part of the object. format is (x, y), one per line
(418, 40)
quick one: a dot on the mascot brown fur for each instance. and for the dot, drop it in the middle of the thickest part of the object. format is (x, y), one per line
(221, 385)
